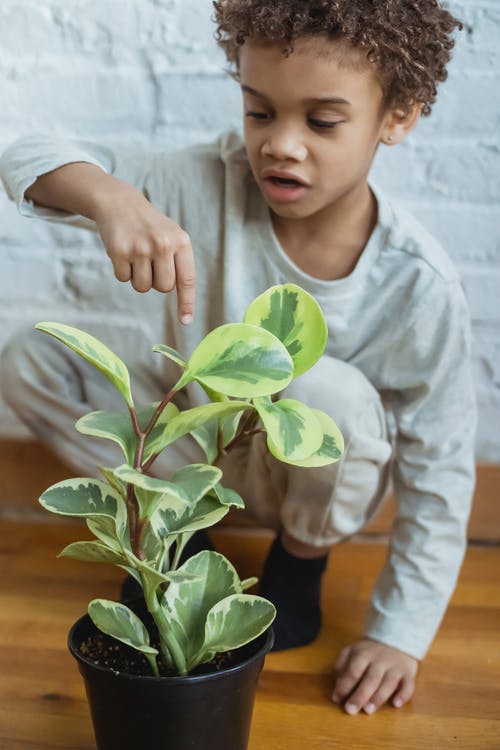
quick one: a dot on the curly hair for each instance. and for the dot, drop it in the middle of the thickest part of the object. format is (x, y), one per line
(409, 41)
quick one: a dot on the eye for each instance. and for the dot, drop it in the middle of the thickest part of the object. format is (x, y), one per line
(257, 115)
(323, 124)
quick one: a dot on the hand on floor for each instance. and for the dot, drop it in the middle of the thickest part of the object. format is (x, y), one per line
(369, 673)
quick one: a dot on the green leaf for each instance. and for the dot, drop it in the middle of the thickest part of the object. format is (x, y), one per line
(92, 552)
(171, 353)
(104, 528)
(234, 621)
(330, 450)
(209, 502)
(195, 480)
(167, 414)
(207, 435)
(240, 360)
(116, 426)
(82, 497)
(170, 520)
(138, 479)
(291, 426)
(188, 604)
(248, 583)
(207, 438)
(149, 490)
(228, 496)
(116, 483)
(95, 352)
(187, 421)
(121, 623)
(294, 316)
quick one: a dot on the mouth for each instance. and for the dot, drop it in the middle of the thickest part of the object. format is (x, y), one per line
(283, 187)
(284, 179)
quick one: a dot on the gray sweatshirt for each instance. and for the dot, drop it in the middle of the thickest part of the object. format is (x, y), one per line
(400, 317)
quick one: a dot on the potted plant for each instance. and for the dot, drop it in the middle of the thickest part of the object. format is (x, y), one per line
(200, 637)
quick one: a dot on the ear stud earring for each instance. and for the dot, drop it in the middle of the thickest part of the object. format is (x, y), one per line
(389, 137)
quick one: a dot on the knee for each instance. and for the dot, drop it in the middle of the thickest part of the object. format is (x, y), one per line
(20, 364)
(344, 393)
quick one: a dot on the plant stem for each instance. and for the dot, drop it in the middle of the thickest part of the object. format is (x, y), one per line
(159, 410)
(137, 526)
(168, 643)
(178, 551)
(245, 433)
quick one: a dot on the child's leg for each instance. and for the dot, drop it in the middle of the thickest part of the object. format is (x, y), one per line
(50, 387)
(312, 509)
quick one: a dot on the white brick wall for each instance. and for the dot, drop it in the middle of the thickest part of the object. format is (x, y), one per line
(148, 73)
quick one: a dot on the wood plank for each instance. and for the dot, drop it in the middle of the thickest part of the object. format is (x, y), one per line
(457, 703)
(28, 468)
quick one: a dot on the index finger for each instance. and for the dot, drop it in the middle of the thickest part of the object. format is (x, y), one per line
(185, 282)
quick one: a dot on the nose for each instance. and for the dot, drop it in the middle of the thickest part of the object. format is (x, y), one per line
(284, 144)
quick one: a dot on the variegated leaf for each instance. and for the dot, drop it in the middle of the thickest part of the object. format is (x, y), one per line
(171, 353)
(294, 316)
(121, 623)
(248, 583)
(186, 421)
(209, 502)
(291, 426)
(240, 360)
(82, 497)
(169, 520)
(116, 426)
(234, 621)
(188, 604)
(195, 480)
(228, 496)
(149, 490)
(92, 552)
(95, 352)
(104, 528)
(207, 438)
(116, 483)
(330, 450)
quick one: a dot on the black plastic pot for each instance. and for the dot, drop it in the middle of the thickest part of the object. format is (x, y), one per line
(198, 712)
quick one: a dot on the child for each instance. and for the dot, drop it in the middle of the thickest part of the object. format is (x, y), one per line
(324, 83)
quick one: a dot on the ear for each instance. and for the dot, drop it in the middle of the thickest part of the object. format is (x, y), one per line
(398, 123)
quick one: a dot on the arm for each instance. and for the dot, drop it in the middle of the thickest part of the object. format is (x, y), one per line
(433, 481)
(87, 185)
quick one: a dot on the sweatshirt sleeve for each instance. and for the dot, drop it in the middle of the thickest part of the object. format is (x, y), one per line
(433, 473)
(28, 158)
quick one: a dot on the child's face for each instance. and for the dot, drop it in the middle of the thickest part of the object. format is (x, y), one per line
(313, 116)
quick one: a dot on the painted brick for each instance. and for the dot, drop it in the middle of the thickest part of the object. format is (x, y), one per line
(104, 100)
(465, 172)
(460, 109)
(470, 234)
(216, 100)
(487, 376)
(482, 287)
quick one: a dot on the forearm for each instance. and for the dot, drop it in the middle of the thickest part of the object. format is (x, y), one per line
(426, 551)
(78, 188)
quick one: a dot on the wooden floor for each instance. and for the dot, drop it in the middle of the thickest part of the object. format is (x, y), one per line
(457, 704)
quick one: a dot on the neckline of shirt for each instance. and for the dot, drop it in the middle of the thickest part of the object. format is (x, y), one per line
(321, 287)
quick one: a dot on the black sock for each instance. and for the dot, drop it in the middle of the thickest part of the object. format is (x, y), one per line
(131, 589)
(293, 585)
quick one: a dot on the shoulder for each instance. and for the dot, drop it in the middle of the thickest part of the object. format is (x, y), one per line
(195, 178)
(412, 246)
(225, 151)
